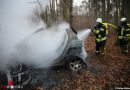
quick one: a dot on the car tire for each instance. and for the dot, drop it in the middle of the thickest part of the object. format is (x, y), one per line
(75, 64)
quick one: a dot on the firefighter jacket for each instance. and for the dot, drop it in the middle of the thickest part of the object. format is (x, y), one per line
(123, 32)
(100, 32)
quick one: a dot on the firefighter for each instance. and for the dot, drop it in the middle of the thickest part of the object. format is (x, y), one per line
(100, 33)
(123, 35)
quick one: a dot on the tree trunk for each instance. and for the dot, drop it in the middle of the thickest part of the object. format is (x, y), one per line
(103, 10)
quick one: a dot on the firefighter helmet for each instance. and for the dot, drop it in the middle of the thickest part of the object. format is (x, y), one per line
(99, 20)
(123, 19)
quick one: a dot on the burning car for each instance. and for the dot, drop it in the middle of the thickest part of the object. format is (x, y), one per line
(72, 57)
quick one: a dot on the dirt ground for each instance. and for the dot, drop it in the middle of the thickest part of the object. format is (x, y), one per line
(108, 72)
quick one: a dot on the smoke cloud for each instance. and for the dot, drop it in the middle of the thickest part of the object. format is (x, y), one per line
(42, 48)
(19, 41)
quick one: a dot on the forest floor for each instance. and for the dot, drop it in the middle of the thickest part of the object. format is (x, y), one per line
(108, 72)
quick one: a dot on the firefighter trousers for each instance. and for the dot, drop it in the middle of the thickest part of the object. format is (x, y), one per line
(124, 45)
(100, 46)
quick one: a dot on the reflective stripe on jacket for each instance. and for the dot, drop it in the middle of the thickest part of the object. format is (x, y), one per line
(100, 33)
(124, 32)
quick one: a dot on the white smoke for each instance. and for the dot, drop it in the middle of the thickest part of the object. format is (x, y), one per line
(18, 44)
(82, 35)
(42, 48)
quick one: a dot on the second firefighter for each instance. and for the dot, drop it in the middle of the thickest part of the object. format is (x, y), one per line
(123, 35)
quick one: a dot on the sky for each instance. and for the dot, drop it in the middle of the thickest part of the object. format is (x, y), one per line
(77, 2)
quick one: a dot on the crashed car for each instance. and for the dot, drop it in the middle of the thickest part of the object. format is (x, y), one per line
(72, 56)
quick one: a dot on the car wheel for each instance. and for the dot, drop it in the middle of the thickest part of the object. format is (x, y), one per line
(75, 64)
(21, 75)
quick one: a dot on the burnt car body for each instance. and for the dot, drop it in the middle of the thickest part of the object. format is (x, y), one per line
(72, 57)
